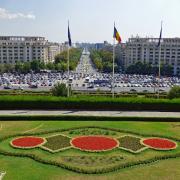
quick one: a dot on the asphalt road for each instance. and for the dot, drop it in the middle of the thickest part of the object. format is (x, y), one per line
(92, 113)
(85, 65)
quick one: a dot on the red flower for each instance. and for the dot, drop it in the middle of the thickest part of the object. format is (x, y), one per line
(159, 143)
(27, 142)
(94, 143)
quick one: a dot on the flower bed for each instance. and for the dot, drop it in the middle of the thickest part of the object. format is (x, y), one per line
(92, 131)
(131, 143)
(56, 143)
(159, 143)
(27, 142)
(94, 143)
(90, 161)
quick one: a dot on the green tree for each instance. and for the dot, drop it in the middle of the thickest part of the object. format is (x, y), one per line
(26, 67)
(19, 67)
(60, 90)
(2, 68)
(42, 65)
(166, 70)
(50, 66)
(74, 57)
(103, 60)
(9, 68)
(174, 92)
(35, 65)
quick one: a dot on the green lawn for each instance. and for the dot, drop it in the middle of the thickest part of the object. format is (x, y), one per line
(31, 169)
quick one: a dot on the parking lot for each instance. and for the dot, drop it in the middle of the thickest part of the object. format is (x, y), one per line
(86, 77)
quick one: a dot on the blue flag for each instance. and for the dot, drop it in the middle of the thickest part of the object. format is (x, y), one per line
(69, 36)
(160, 37)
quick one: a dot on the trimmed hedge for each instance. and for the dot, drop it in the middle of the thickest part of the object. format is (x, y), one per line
(88, 103)
(84, 118)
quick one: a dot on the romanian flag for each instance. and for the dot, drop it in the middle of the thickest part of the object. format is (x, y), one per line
(116, 35)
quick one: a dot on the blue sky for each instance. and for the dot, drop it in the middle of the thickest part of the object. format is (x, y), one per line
(90, 20)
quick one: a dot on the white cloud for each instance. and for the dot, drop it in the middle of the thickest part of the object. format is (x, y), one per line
(5, 14)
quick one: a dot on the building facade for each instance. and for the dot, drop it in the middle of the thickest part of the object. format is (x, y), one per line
(53, 50)
(26, 49)
(146, 51)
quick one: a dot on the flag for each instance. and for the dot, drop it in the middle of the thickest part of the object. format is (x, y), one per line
(69, 36)
(160, 37)
(116, 35)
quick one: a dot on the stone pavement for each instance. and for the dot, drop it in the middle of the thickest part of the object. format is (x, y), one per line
(92, 113)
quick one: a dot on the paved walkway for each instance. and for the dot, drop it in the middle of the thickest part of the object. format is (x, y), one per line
(2, 174)
(92, 113)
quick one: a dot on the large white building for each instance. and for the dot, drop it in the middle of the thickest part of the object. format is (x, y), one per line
(146, 50)
(26, 49)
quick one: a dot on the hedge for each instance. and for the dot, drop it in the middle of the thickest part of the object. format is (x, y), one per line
(88, 103)
(84, 118)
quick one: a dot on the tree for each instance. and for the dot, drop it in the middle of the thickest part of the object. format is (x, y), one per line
(50, 66)
(166, 70)
(35, 65)
(8, 68)
(19, 67)
(174, 92)
(26, 67)
(2, 68)
(42, 65)
(60, 90)
(103, 60)
(74, 57)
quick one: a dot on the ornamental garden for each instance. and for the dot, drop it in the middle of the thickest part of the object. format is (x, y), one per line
(92, 149)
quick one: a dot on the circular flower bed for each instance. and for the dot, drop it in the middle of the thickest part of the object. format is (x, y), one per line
(27, 142)
(94, 143)
(159, 143)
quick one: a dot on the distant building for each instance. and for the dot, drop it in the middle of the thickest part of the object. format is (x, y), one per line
(99, 46)
(146, 51)
(53, 50)
(26, 49)
(90, 46)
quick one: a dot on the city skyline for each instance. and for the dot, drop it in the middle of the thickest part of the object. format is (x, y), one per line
(90, 21)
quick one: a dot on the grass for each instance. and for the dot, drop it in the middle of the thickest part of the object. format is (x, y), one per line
(27, 169)
(38, 170)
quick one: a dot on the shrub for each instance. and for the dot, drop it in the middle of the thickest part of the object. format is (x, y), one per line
(60, 89)
(174, 92)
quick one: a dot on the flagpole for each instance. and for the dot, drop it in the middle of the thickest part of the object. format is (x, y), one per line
(159, 66)
(113, 65)
(68, 66)
(159, 70)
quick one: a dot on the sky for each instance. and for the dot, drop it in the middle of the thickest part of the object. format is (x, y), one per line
(90, 20)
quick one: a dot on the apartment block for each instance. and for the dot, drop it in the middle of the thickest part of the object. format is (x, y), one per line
(146, 50)
(26, 49)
